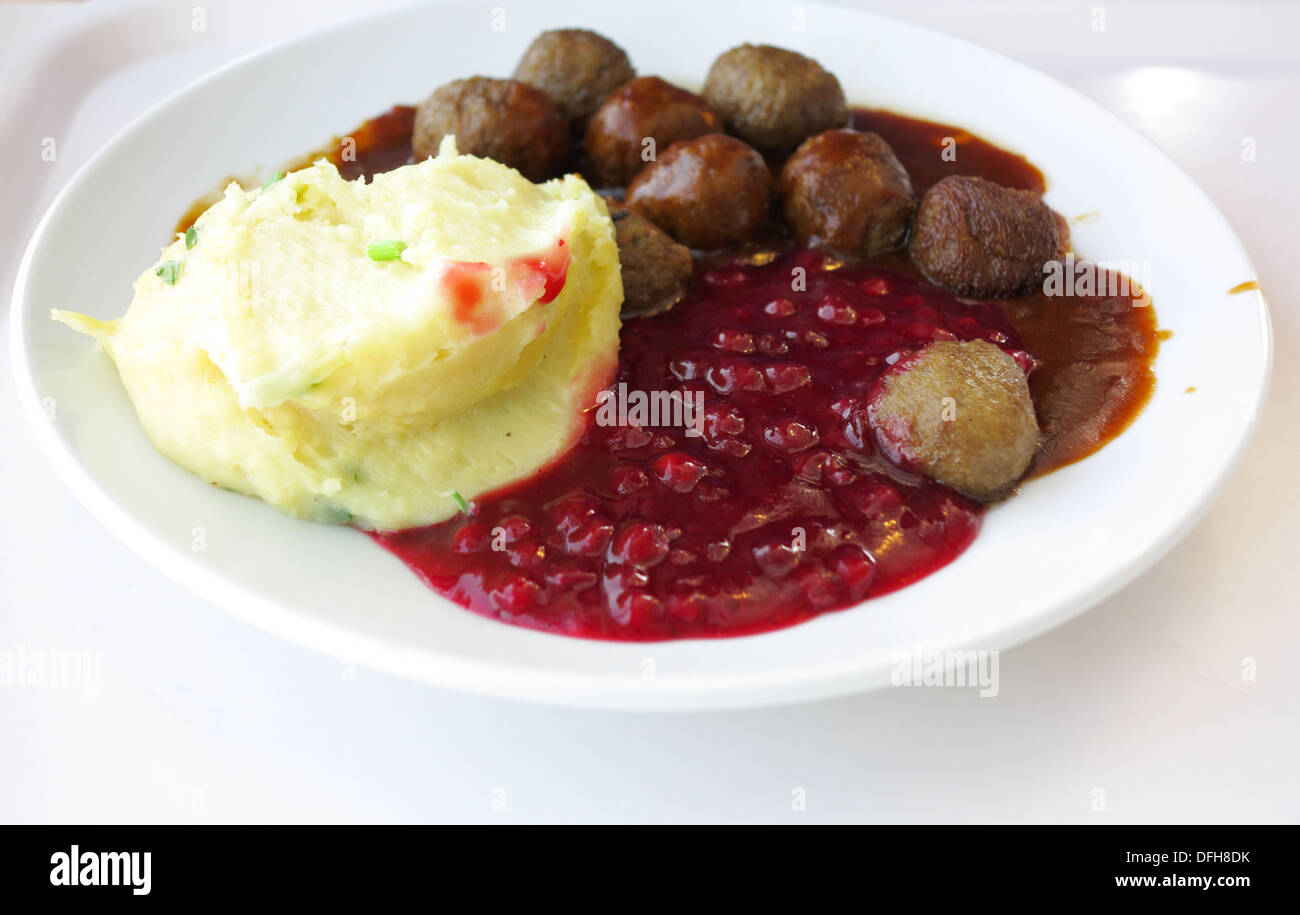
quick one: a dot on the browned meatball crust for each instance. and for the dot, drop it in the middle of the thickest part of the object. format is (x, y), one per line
(656, 269)
(846, 191)
(959, 412)
(500, 119)
(709, 192)
(772, 98)
(577, 69)
(641, 110)
(975, 237)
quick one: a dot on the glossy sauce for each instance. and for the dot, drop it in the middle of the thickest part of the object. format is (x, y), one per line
(778, 510)
(1095, 353)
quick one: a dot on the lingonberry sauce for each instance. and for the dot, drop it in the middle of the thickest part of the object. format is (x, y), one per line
(779, 510)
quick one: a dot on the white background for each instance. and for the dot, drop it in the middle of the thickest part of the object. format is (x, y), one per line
(203, 718)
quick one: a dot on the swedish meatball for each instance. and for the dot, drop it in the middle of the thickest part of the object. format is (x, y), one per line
(577, 69)
(656, 269)
(960, 413)
(846, 191)
(975, 237)
(646, 108)
(500, 119)
(709, 192)
(772, 98)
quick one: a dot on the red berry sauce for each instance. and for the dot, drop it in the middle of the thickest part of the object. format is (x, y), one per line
(780, 511)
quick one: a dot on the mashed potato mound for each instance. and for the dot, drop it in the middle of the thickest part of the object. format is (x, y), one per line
(366, 353)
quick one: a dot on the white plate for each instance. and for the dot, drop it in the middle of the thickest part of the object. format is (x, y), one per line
(1063, 544)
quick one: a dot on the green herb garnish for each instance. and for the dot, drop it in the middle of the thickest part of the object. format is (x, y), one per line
(191, 236)
(389, 250)
(278, 176)
(170, 271)
(460, 500)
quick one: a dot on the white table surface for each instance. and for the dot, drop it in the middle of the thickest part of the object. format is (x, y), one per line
(203, 718)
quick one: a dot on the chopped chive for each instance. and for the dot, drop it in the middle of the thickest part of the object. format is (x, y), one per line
(278, 176)
(389, 250)
(191, 236)
(460, 500)
(170, 271)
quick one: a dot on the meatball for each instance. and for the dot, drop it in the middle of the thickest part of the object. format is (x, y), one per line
(646, 108)
(656, 269)
(975, 237)
(499, 119)
(577, 69)
(847, 191)
(709, 192)
(960, 413)
(772, 98)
